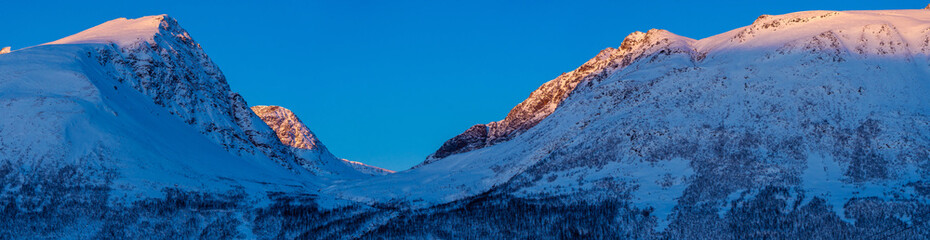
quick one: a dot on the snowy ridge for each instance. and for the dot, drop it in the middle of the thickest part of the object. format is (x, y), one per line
(546, 99)
(293, 132)
(766, 32)
(876, 32)
(122, 31)
(367, 169)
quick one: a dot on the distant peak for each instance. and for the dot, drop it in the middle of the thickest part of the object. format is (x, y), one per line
(5, 50)
(122, 31)
(927, 7)
(290, 130)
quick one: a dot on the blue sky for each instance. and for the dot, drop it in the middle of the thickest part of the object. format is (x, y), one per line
(387, 82)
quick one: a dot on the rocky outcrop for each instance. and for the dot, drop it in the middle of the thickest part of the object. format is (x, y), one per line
(290, 130)
(310, 151)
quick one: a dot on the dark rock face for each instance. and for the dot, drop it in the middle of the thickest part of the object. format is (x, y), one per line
(474, 138)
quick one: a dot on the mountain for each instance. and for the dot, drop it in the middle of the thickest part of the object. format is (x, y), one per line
(127, 129)
(803, 125)
(158, 58)
(808, 124)
(137, 98)
(544, 100)
(294, 133)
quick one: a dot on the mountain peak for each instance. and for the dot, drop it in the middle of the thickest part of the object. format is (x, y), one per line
(294, 133)
(122, 31)
(640, 40)
(291, 131)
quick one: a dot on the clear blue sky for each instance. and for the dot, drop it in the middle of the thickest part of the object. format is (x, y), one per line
(387, 82)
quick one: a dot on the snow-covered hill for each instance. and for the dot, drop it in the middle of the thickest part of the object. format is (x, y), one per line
(815, 118)
(293, 132)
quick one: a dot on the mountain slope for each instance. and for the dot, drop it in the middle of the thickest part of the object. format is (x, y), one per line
(158, 58)
(292, 132)
(61, 110)
(544, 100)
(806, 119)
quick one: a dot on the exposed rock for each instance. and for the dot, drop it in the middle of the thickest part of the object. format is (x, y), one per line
(311, 152)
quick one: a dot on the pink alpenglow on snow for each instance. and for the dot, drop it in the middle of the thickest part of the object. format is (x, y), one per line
(120, 31)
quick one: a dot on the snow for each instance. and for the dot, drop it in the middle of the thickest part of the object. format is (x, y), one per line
(824, 178)
(121, 31)
(774, 31)
(367, 169)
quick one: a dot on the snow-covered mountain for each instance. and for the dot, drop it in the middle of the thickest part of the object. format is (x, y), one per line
(118, 96)
(293, 132)
(544, 100)
(804, 124)
(127, 129)
(158, 58)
